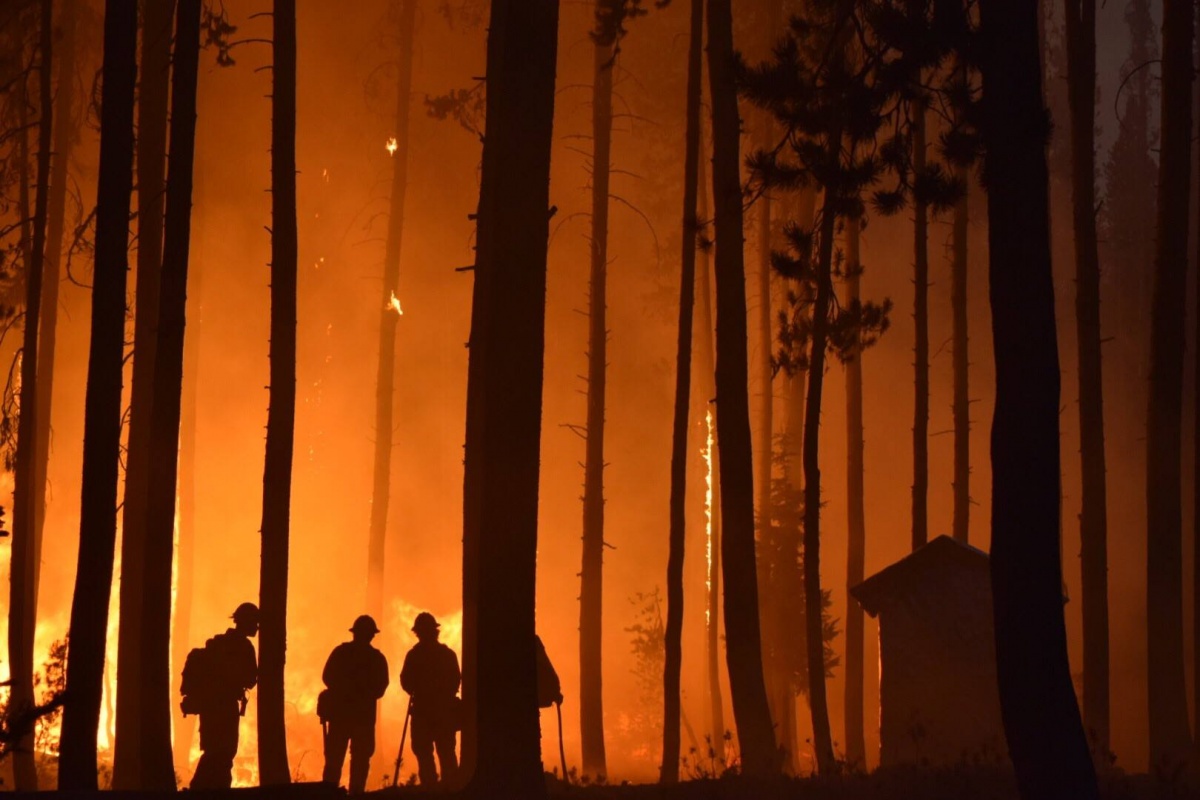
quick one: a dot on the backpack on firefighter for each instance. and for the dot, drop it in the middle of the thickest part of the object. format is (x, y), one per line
(200, 681)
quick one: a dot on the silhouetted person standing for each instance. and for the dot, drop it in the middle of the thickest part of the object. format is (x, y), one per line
(431, 677)
(231, 669)
(357, 676)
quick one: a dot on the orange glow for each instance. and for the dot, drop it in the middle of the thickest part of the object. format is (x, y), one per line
(394, 304)
(708, 508)
(391, 146)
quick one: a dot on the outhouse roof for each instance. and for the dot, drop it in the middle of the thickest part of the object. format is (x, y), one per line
(933, 562)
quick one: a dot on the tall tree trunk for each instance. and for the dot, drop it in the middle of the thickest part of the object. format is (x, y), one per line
(920, 485)
(406, 12)
(1169, 737)
(102, 404)
(157, 770)
(673, 661)
(712, 614)
(962, 358)
(505, 395)
(281, 416)
(591, 589)
(131, 744)
(24, 566)
(814, 628)
(797, 381)
(856, 748)
(1093, 518)
(185, 549)
(743, 650)
(1041, 719)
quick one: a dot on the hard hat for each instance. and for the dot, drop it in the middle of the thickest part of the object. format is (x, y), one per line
(247, 612)
(425, 622)
(364, 623)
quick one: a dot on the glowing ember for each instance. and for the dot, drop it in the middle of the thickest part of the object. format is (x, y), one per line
(391, 146)
(708, 508)
(394, 303)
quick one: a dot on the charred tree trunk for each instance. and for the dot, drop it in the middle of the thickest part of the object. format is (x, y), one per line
(591, 590)
(102, 405)
(1169, 737)
(743, 642)
(856, 748)
(406, 10)
(712, 614)
(24, 566)
(157, 768)
(673, 662)
(505, 395)
(962, 360)
(1041, 719)
(131, 744)
(920, 486)
(281, 416)
(1093, 518)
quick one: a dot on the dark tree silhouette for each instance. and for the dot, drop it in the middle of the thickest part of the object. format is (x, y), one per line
(405, 11)
(132, 744)
(281, 415)
(25, 535)
(961, 354)
(102, 404)
(673, 661)
(157, 769)
(1169, 737)
(752, 714)
(1093, 518)
(1041, 719)
(920, 484)
(504, 402)
(856, 525)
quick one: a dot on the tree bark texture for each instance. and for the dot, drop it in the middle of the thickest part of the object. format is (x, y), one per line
(591, 583)
(1093, 517)
(505, 396)
(673, 661)
(1041, 719)
(131, 743)
(102, 404)
(1169, 736)
(24, 565)
(281, 416)
(406, 11)
(743, 649)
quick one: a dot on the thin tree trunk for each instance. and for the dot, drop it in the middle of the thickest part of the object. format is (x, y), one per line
(24, 566)
(920, 486)
(157, 768)
(797, 381)
(131, 744)
(962, 361)
(673, 661)
(505, 395)
(406, 11)
(1169, 736)
(281, 416)
(1041, 719)
(814, 628)
(743, 650)
(102, 404)
(712, 601)
(1093, 518)
(591, 590)
(856, 748)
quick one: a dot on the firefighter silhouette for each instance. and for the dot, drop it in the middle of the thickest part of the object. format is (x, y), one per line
(431, 677)
(356, 675)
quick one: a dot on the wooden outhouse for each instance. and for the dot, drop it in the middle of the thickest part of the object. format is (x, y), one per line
(938, 697)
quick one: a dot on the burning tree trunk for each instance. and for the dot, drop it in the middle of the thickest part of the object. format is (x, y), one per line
(591, 590)
(1093, 518)
(743, 643)
(131, 744)
(1041, 719)
(102, 405)
(673, 662)
(24, 566)
(920, 486)
(1169, 738)
(281, 415)
(157, 768)
(406, 11)
(856, 748)
(504, 398)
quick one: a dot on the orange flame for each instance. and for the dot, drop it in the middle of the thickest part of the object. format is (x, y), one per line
(394, 303)
(391, 146)
(708, 508)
